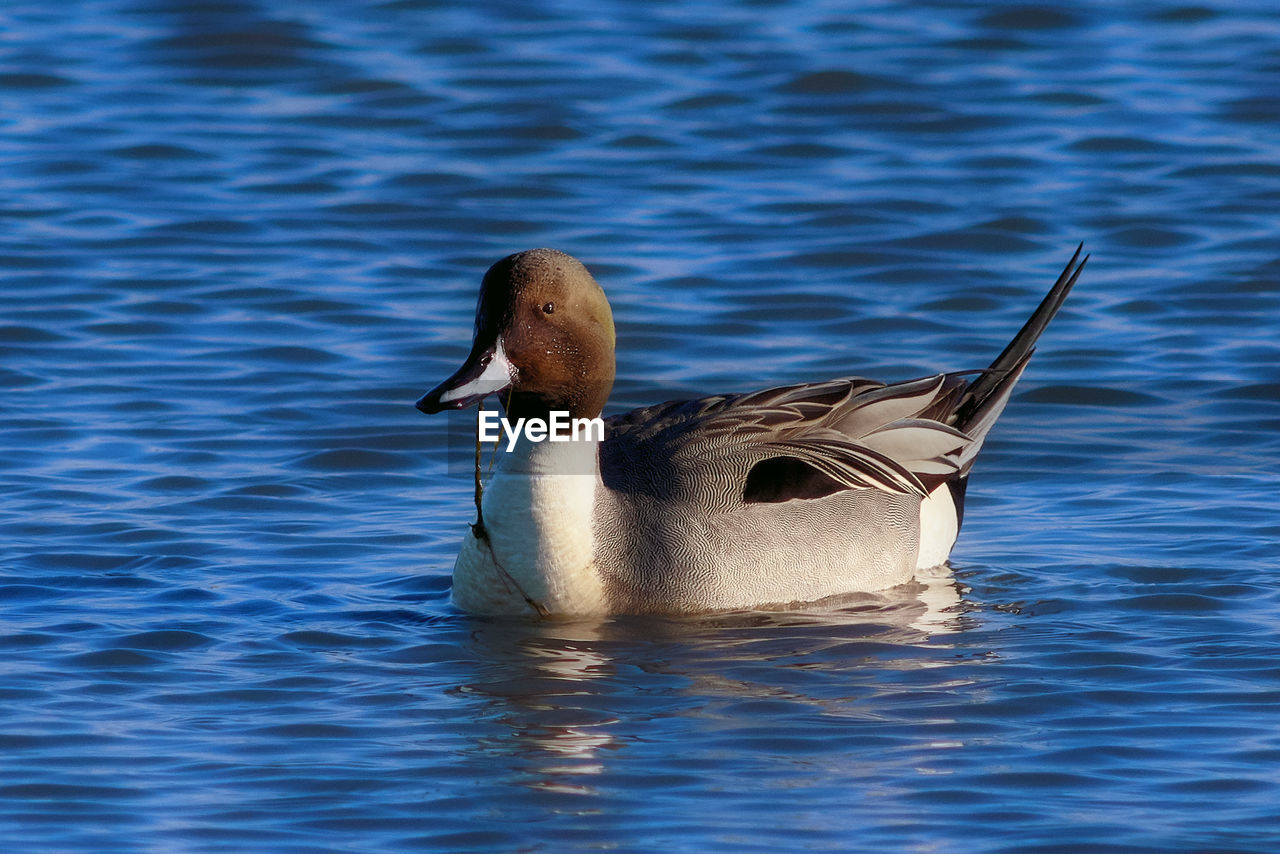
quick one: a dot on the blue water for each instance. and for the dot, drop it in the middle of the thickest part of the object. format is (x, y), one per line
(240, 238)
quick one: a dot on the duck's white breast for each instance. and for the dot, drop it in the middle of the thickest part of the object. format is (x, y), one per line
(539, 552)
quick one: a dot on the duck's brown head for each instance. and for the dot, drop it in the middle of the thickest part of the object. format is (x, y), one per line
(544, 341)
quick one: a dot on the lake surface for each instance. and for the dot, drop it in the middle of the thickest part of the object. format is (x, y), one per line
(239, 239)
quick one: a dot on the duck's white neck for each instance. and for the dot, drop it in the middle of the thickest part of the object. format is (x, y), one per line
(537, 554)
(573, 456)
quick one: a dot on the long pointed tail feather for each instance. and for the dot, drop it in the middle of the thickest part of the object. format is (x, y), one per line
(983, 399)
(1008, 365)
(986, 396)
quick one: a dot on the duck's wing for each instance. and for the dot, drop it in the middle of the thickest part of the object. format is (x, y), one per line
(792, 442)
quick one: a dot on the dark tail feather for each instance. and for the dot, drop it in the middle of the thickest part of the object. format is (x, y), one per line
(1008, 365)
(984, 399)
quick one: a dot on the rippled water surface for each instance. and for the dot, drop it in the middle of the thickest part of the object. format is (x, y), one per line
(238, 240)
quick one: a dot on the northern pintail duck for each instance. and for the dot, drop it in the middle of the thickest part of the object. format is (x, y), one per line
(786, 495)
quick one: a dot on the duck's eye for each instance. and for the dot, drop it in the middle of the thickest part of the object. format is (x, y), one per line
(548, 308)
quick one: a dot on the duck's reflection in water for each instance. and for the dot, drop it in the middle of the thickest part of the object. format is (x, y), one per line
(559, 690)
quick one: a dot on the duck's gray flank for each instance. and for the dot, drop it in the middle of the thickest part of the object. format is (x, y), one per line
(783, 495)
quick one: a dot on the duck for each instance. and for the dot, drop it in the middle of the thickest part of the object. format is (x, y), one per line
(758, 500)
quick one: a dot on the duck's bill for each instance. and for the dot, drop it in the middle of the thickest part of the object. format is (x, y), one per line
(486, 372)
